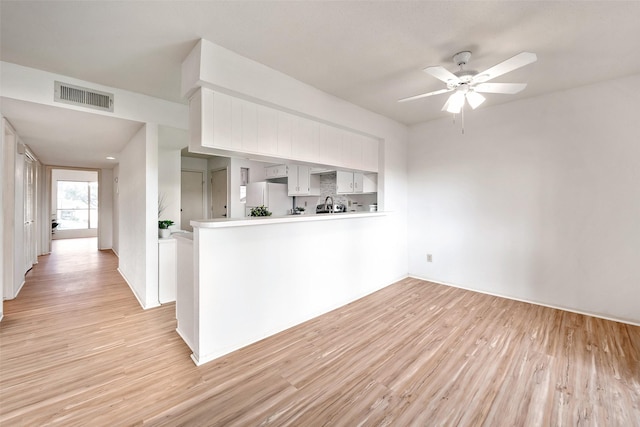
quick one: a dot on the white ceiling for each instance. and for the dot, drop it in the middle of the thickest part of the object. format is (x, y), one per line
(370, 53)
(62, 137)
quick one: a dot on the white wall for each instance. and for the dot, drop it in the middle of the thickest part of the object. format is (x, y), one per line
(105, 209)
(539, 200)
(8, 185)
(138, 214)
(19, 269)
(169, 184)
(33, 85)
(115, 244)
(2, 224)
(246, 290)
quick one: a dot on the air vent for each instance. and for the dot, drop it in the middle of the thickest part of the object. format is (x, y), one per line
(83, 97)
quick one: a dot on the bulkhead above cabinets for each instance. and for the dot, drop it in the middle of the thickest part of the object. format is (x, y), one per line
(225, 125)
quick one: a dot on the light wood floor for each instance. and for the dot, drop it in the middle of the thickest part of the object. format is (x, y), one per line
(77, 350)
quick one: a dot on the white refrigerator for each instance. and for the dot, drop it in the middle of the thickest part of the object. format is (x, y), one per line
(270, 194)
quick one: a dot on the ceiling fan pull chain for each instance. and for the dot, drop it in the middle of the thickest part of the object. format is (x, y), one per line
(462, 118)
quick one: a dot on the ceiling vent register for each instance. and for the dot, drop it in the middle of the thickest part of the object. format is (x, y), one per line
(83, 97)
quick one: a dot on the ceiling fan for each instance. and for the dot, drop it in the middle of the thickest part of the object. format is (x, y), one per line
(469, 84)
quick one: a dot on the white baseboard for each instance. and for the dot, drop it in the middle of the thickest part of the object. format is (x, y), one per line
(19, 289)
(184, 338)
(557, 307)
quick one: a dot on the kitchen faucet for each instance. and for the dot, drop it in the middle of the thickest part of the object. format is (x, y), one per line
(327, 206)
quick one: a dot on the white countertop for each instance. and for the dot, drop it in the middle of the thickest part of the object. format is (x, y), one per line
(241, 222)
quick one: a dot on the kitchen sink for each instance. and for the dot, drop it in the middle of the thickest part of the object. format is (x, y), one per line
(330, 208)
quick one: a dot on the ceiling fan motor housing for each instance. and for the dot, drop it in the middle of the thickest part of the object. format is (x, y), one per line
(461, 58)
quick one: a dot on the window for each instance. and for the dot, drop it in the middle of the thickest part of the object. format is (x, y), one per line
(244, 180)
(77, 205)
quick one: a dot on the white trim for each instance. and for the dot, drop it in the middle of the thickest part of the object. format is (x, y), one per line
(241, 222)
(14, 296)
(135, 293)
(557, 307)
(183, 336)
(20, 287)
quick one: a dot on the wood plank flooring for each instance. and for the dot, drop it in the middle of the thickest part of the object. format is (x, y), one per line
(77, 350)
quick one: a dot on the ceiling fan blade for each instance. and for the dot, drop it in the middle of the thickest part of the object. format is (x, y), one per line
(509, 88)
(424, 95)
(441, 73)
(520, 60)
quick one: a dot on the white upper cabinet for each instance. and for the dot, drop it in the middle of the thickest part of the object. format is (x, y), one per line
(370, 155)
(249, 127)
(267, 130)
(344, 182)
(277, 171)
(330, 145)
(306, 134)
(356, 182)
(224, 122)
(301, 182)
(285, 134)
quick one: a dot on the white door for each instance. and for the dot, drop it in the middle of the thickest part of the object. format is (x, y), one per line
(30, 257)
(191, 198)
(219, 194)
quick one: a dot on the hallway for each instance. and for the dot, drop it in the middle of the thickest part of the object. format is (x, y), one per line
(75, 344)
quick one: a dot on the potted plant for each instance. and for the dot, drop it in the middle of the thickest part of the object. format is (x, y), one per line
(299, 210)
(163, 228)
(260, 211)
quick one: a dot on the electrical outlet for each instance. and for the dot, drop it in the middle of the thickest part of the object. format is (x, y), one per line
(429, 258)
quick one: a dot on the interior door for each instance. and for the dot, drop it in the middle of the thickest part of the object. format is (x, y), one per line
(191, 198)
(219, 194)
(30, 257)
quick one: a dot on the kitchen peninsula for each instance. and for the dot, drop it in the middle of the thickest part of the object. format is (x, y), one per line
(256, 277)
(243, 279)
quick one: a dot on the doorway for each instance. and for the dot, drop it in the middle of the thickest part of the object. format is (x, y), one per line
(191, 198)
(219, 197)
(74, 203)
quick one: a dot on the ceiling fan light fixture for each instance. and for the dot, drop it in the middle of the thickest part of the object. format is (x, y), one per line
(455, 102)
(475, 99)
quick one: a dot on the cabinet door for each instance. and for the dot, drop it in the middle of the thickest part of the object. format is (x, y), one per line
(329, 145)
(285, 133)
(304, 145)
(370, 155)
(304, 179)
(292, 181)
(236, 124)
(370, 183)
(299, 181)
(344, 182)
(222, 121)
(355, 151)
(249, 127)
(278, 171)
(267, 131)
(358, 179)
